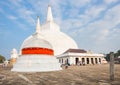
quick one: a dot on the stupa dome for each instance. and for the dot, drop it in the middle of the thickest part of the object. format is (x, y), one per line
(35, 44)
(59, 41)
(36, 40)
(52, 33)
(37, 54)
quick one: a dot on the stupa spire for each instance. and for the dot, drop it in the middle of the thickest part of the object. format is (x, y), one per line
(38, 25)
(49, 14)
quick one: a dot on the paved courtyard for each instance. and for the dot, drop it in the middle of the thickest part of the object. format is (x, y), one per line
(74, 75)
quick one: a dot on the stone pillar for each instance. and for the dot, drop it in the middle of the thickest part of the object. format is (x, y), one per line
(98, 61)
(94, 61)
(111, 66)
(74, 61)
(60, 60)
(80, 59)
(90, 61)
(70, 60)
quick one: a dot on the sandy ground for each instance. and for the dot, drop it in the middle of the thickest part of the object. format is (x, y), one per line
(74, 75)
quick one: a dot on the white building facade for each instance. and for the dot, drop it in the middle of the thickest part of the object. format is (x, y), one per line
(74, 58)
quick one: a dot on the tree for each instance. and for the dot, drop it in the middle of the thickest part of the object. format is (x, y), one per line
(107, 57)
(115, 55)
(118, 53)
(2, 59)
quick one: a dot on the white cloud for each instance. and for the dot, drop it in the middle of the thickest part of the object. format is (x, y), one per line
(39, 8)
(113, 15)
(92, 13)
(103, 33)
(15, 2)
(21, 11)
(56, 9)
(70, 24)
(12, 17)
(110, 1)
(72, 13)
(27, 15)
(79, 3)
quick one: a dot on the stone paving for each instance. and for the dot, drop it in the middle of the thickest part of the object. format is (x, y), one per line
(74, 75)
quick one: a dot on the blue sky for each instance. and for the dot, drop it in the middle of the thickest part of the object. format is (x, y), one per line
(93, 24)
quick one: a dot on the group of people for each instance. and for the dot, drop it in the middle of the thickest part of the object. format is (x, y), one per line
(5, 64)
(80, 63)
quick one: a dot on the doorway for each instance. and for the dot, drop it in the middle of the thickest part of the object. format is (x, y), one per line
(76, 60)
(96, 61)
(100, 60)
(87, 60)
(92, 61)
(83, 60)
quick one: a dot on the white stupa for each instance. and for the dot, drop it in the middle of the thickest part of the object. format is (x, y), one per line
(13, 56)
(51, 32)
(14, 53)
(37, 55)
(38, 50)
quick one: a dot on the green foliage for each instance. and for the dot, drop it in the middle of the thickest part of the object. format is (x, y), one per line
(115, 55)
(2, 59)
(118, 53)
(107, 57)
